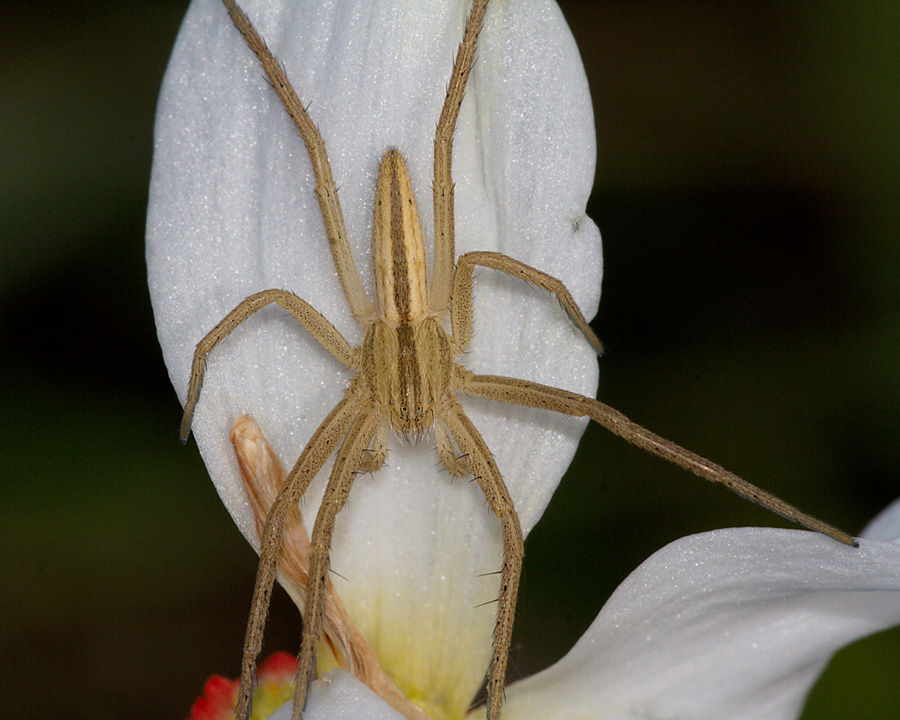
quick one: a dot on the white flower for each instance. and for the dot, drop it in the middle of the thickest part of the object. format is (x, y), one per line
(232, 211)
(733, 624)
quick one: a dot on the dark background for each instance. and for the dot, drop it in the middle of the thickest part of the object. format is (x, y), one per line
(747, 191)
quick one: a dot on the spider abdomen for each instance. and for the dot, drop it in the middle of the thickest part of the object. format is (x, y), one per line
(399, 259)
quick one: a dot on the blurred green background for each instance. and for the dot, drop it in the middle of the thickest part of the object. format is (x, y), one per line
(747, 191)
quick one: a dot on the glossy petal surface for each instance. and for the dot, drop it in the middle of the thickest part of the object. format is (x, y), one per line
(339, 696)
(735, 623)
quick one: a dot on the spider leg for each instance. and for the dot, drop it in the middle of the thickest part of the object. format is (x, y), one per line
(373, 458)
(317, 450)
(263, 478)
(306, 314)
(326, 190)
(346, 466)
(444, 238)
(491, 483)
(458, 465)
(531, 394)
(461, 304)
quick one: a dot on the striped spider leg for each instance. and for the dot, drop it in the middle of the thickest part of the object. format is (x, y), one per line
(406, 376)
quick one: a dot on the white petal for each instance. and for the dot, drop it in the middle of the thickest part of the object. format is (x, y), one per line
(232, 211)
(731, 624)
(340, 696)
(885, 527)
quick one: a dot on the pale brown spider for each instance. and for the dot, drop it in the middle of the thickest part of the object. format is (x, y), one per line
(406, 374)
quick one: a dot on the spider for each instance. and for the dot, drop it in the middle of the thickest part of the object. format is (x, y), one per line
(406, 375)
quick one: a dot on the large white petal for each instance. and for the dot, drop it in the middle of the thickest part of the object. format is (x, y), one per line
(731, 624)
(885, 527)
(232, 211)
(340, 696)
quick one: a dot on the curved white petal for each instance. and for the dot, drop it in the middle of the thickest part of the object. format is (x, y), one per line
(340, 696)
(232, 211)
(731, 624)
(885, 527)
